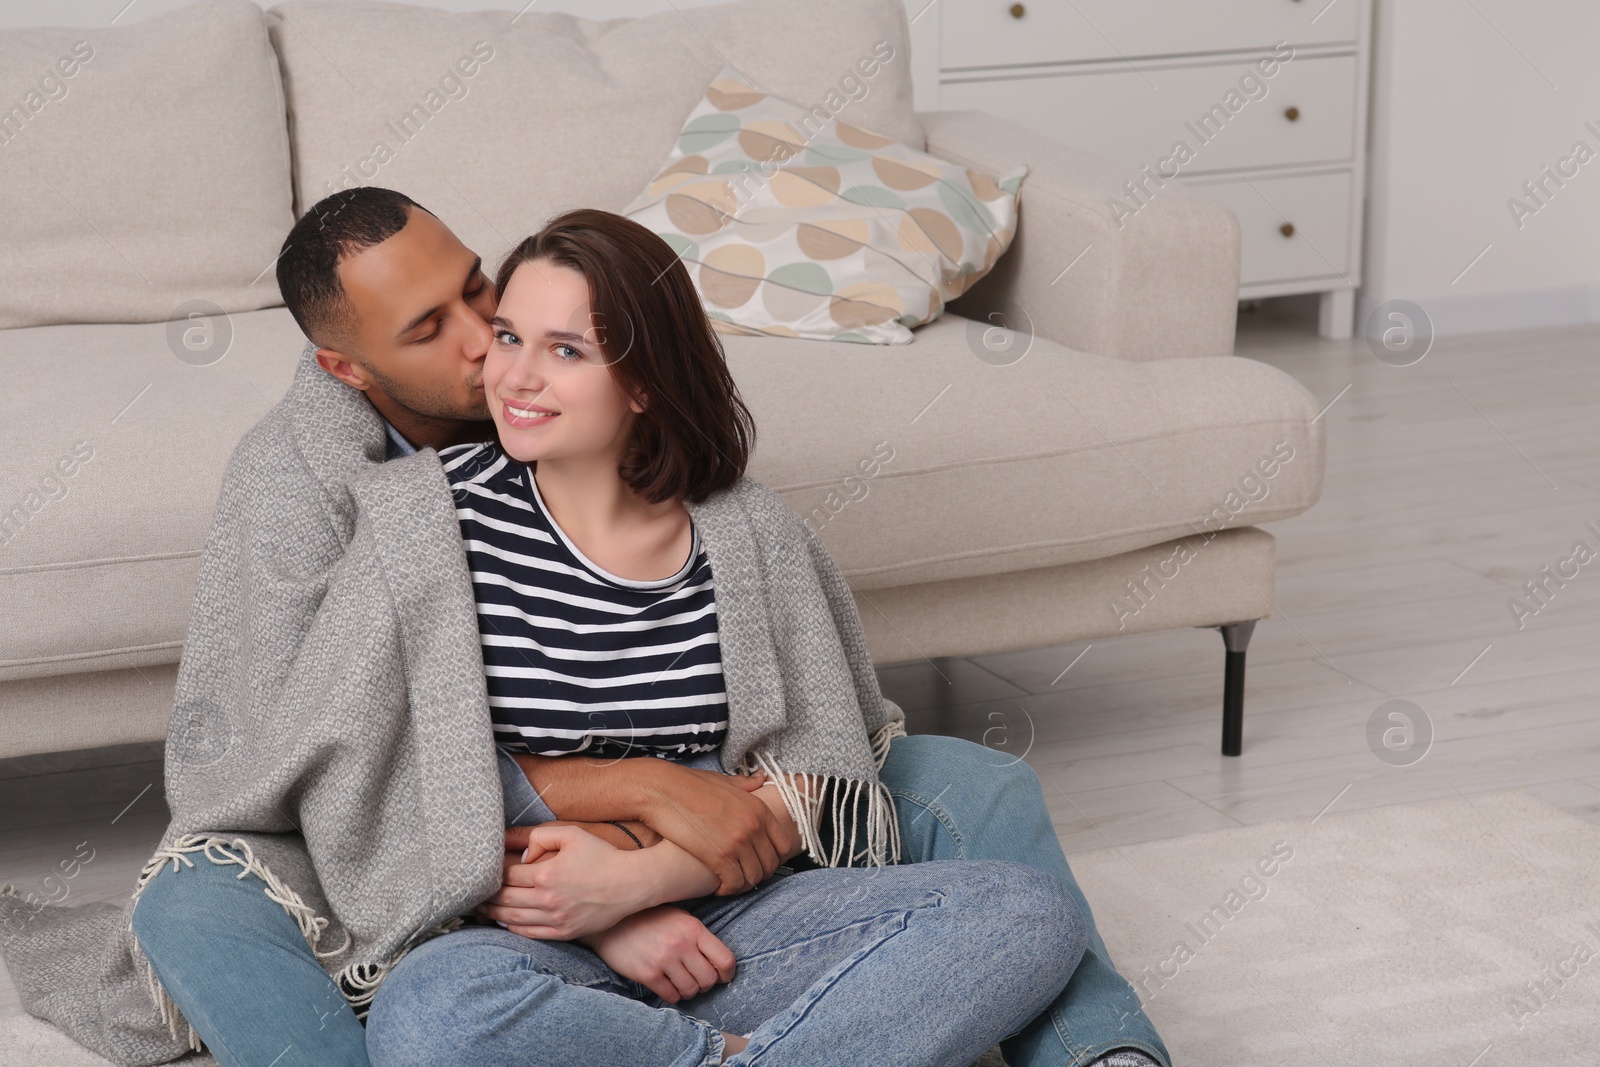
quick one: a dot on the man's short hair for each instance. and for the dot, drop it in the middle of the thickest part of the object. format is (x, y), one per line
(339, 225)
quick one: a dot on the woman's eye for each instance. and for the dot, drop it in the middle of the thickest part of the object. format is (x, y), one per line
(505, 337)
(568, 353)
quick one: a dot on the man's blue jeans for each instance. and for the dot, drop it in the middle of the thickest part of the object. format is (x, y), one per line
(238, 968)
(958, 800)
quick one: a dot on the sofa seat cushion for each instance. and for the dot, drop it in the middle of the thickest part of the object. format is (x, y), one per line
(923, 462)
(913, 463)
(502, 119)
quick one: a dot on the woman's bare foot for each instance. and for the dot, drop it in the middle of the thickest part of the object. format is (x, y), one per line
(734, 1045)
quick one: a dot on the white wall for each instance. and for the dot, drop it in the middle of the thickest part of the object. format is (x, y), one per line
(1471, 100)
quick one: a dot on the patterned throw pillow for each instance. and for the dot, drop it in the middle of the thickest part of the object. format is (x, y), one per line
(796, 224)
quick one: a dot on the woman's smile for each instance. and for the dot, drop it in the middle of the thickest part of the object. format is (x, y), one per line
(525, 415)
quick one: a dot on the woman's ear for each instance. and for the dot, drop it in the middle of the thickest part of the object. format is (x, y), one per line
(638, 403)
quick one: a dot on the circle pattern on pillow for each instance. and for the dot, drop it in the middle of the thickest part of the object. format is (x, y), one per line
(793, 227)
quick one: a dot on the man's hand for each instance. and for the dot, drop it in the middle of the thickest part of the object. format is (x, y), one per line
(719, 820)
(713, 817)
(666, 950)
(567, 884)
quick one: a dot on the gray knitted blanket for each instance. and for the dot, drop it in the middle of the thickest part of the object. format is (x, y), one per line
(331, 734)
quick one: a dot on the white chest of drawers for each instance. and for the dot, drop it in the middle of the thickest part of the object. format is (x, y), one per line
(1260, 104)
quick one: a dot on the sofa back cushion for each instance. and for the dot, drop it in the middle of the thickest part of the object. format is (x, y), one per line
(496, 121)
(144, 169)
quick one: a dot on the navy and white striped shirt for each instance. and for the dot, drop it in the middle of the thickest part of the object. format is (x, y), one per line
(577, 659)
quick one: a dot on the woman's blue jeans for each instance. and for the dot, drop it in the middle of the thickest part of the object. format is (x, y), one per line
(239, 969)
(926, 964)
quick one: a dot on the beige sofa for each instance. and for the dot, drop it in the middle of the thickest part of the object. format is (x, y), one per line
(1071, 452)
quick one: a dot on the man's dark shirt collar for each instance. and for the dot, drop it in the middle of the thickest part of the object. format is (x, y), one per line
(398, 446)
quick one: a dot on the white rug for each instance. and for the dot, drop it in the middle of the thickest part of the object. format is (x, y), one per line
(1450, 933)
(1447, 934)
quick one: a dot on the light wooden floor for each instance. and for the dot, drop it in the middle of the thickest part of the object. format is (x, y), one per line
(1450, 483)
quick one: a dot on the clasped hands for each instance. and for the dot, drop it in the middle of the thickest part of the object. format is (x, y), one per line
(705, 833)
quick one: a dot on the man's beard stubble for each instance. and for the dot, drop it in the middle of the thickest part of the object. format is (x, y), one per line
(433, 403)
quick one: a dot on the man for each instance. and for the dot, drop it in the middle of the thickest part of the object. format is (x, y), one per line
(397, 308)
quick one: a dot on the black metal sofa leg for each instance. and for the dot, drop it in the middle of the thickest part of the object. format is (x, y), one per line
(1236, 638)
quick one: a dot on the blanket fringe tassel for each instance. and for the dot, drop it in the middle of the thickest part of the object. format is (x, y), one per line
(805, 805)
(358, 982)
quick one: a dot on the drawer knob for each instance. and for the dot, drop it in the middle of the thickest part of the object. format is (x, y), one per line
(1287, 229)
(1017, 11)
(1292, 113)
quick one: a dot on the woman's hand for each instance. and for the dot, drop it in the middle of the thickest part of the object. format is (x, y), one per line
(567, 884)
(517, 837)
(666, 950)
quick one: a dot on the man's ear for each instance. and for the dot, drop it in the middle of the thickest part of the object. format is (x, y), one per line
(343, 368)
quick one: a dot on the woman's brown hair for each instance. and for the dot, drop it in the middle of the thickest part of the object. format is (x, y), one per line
(695, 434)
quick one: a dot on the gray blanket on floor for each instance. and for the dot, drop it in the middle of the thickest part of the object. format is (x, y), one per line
(331, 732)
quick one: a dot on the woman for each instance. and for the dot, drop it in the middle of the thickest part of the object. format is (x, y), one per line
(607, 530)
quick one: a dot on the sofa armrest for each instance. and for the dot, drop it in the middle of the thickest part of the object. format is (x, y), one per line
(1159, 282)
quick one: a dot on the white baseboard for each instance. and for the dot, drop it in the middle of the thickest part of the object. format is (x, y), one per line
(1570, 305)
